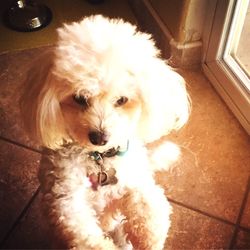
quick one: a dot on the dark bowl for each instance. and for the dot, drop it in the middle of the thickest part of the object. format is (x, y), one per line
(27, 16)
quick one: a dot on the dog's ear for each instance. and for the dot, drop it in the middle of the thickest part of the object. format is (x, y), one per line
(40, 108)
(165, 101)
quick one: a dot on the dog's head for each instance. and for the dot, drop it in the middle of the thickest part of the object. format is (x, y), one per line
(101, 85)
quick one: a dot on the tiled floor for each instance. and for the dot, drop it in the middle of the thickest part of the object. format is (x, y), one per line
(208, 186)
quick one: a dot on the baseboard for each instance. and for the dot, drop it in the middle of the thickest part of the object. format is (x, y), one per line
(186, 55)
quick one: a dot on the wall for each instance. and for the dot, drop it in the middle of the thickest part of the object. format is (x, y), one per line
(173, 14)
(177, 26)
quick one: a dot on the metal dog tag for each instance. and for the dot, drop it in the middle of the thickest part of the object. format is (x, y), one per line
(107, 177)
(102, 178)
(112, 178)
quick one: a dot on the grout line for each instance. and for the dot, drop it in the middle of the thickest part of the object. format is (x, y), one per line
(20, 216)
(245, 229)
(19, 144)
(242, 207)
(202, 212)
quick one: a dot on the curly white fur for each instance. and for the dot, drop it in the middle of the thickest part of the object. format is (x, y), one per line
(103, 77)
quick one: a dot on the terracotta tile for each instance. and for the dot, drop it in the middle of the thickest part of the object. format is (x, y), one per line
(20, 62)
(32, 231)
(243, 240)
(245, 220)
(191, 230)
(3, 64)
(18, 181)
(10, 85)
(212, 173)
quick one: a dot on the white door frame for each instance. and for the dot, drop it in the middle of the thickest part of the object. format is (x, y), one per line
(223, 76)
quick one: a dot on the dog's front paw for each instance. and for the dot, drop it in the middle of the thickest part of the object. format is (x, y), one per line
(128, 246)
(120, 237)
(103, 243)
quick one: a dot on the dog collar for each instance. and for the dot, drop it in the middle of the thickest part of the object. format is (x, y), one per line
(104, 177)
(98, 157)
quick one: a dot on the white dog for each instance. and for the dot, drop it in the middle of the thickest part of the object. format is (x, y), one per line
(93, 101)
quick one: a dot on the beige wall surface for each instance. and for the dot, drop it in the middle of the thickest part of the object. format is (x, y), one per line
(195, 18)
(183, 18)
(173, 14)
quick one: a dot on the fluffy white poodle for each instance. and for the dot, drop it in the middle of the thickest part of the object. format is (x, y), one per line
(93, 102)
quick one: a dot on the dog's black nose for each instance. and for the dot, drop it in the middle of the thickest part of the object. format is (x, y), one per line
(98, 138)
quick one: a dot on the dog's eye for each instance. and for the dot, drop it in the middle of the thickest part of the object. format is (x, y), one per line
(81, 100)
(121, 101)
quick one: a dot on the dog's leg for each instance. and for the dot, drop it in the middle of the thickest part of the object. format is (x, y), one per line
(112, 222)
(107, 218)
(76, 222)
(147, 212)
(68, 203)
(69, 206)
